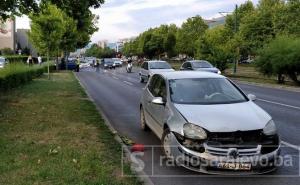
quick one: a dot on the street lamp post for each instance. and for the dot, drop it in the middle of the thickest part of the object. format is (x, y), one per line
(235, 31)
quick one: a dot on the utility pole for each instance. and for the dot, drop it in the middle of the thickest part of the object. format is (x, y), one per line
(235, 30)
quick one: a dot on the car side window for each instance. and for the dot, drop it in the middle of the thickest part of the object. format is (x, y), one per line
(184, 66)
(188, 65)
(162, 89)
(146, 66)
(152, 84)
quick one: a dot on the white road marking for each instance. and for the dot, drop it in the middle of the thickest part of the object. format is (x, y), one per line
(291, 145)
(282, 104)
(129, 83)
(116, 78)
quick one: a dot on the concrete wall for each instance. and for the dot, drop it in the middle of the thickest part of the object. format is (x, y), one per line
(7, 34)
(23, 40)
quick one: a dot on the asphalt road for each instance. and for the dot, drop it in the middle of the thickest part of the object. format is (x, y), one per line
(117, 93)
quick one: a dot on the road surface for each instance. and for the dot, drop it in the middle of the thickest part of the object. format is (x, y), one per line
(117, 93)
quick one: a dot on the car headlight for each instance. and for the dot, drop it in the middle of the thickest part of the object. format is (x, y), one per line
(105, 65)
(219, 72)
(114, 64)
(270, 128)
(192, 131)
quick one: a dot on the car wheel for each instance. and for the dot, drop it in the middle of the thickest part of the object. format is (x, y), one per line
(144, 125)
(141, 79)
(166, 143)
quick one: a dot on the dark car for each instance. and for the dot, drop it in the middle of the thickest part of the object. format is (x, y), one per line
(199, 65)
(108, 63)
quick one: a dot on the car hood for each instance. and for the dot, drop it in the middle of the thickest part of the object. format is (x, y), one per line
(214, 70)
(225, 117)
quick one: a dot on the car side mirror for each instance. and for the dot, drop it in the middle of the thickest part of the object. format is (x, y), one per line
(252, 97)
(158, 101)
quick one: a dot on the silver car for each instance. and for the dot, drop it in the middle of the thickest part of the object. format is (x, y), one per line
(150, 67)
(199, 65)
(207, 124)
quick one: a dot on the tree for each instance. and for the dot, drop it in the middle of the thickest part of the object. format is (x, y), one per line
(79, 10)
(153, 45)
(281, 57)
(47, 29)
(257, 28)
(217, 47)
(285, 21)
(96, 51)
(191, 31)
(9, 8)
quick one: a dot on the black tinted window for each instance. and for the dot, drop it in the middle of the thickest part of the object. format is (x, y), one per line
(157, 87)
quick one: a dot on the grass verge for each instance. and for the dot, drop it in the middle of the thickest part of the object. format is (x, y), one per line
(51, 133)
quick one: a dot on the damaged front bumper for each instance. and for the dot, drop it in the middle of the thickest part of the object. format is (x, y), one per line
(225, 161)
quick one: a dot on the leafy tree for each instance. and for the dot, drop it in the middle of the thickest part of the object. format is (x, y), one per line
(169, 44)
(285, 19)
(191, 30)
(216, 47)
(80, 11)
(153, 45)
(9, 8)
(281, 57)
(96, 51)
(47, 29)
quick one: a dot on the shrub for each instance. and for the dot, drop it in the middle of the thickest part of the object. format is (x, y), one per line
(14, 75)
(281, 57)
(6, 51)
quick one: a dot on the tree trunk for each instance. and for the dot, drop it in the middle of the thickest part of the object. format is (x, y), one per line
(280, 78)
(48, 62)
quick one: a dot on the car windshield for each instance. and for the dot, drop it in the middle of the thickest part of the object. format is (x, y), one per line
(159, 65)
(108, 61)
(202, 64)
(205, 91)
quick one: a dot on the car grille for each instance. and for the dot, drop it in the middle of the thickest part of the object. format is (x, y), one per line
(246, 143)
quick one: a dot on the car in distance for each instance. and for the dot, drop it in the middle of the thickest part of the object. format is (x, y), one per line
(117, 62)
(207, 124)
(108, 63)
(3, 62)
(148, 68)
(199, 65)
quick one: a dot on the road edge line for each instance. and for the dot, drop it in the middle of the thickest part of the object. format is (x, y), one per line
(141, 175)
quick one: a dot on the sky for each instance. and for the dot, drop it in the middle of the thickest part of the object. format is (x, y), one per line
(127, 18)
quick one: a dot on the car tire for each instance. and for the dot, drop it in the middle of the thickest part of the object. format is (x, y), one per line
(143, 122)
(141, 79)
(166, 143)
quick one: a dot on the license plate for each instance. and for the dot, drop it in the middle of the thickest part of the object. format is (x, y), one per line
(235, 166)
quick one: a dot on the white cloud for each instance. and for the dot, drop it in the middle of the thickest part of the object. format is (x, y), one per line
(126, 18)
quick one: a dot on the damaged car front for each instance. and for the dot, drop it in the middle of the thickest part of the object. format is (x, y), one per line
(213, 127)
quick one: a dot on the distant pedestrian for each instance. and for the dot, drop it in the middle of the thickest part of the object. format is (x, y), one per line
(77, 64)
(97, 66)
(30, 60)
(40, 60)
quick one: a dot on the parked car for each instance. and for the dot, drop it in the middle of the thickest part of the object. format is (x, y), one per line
(3, 62)
(199, 65)
(84, 64)
(117, 62)
(150, 67)
(108, 63)
(207, 124)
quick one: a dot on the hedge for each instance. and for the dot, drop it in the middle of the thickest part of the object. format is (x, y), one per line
(15, 75)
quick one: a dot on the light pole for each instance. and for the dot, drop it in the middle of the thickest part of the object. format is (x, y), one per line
(235, 31)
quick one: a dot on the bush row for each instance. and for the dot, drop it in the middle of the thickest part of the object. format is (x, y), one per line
(15, 75)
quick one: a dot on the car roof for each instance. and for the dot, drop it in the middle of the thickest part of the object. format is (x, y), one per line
(153, 61)
(198, 61)
(188, 74)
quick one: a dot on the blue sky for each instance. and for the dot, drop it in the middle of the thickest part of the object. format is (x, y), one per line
(126, 18)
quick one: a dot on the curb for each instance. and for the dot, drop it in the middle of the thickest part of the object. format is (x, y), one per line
(141, 175)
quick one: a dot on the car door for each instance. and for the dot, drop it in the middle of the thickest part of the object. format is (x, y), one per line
(158, 89)
(144, 70)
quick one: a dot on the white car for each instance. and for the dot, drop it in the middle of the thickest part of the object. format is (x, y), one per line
(117, 62)
(207, 124)
(3, 62)
(151, 67)
(84, 64)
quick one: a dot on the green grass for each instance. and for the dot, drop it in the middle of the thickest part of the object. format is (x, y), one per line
(52, 134)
